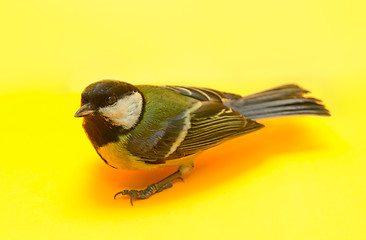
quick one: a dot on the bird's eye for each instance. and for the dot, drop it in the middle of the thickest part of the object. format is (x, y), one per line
(111, 100)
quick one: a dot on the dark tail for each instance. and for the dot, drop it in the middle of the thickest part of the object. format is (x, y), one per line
(286, 100)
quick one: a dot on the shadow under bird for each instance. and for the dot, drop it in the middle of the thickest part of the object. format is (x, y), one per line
(146, 127)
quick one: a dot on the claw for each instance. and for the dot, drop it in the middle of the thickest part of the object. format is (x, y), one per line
(131, 199)
(123, 192)
(132, 193)
(115, 195)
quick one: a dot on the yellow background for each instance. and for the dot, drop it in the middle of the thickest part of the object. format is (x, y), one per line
(299, 178)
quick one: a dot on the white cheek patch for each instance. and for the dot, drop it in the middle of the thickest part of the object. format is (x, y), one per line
(125, 112)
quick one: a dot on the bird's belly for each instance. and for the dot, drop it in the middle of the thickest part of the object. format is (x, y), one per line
(118, 157)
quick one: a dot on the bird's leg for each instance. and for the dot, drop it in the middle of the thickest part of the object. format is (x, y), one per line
(153, 188)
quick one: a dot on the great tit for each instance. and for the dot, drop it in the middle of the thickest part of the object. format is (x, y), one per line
(147, 127)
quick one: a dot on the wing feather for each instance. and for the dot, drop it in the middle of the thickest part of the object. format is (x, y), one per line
(211, 124)
(211, 131)
(204, 94)
(206, 124)
(164, 141)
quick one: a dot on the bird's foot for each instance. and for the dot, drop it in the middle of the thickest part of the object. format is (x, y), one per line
(146, 193)
(151, 189)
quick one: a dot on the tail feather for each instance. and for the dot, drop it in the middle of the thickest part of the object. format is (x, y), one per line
(286, 100)
(281, 92)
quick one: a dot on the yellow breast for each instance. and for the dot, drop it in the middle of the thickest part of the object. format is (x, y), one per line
(116, 156)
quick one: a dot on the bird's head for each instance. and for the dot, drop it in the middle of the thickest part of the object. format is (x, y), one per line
(118, 103)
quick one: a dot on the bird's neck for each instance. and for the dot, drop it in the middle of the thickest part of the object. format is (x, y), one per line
(100, 132)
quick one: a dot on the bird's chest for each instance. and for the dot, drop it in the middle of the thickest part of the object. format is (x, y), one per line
(117, 156)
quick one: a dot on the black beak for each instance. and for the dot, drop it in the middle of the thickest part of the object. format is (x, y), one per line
(84, 110)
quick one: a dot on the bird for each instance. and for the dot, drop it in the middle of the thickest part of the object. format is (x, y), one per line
(138, 127)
